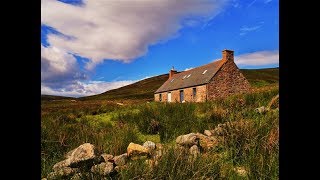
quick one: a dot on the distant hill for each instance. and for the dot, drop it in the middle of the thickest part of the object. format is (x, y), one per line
(144, 89)
(52, 97)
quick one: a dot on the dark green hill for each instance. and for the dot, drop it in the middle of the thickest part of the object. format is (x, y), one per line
(144, 89)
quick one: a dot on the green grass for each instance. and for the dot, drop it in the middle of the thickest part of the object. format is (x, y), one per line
(110, 127)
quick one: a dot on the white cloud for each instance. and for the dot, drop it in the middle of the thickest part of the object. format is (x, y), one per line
(78, 89)
(58, 66)
(187, 69)
(244, 29)
(120, 30)
(258, 58)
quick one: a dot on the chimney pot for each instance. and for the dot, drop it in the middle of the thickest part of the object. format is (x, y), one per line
(227, 55)
(172, 72)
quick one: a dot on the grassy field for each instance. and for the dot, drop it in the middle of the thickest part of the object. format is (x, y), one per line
(254, 145)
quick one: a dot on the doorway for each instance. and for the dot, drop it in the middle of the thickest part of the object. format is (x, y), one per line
(169, 96)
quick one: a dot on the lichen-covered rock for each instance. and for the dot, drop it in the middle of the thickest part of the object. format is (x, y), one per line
(104, 168)
(207, 143)
(119, 168)
(187, 140)
(107, 157)
(158, 151)
(121, 159)
(149, 145)
(136, 149)
(84, 154)
(63, 172)
(194, 151)
(208, 133)
(77, 176)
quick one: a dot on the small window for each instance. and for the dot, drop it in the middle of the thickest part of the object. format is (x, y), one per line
(184, 77)
(188, 75)
(204, 71)
(172, 80)
(160, 97)
(194, 92)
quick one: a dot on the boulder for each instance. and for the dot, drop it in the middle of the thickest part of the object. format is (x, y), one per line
(121, 159)
(149, 145)
(119, 168)
(77, 176)
(208, 133)
(107, 157)
(84, 154)
(63, 172)
(136, 149)
(104, 168)
(187, 140)
(194, 151)
(158, 152)
(207, 143)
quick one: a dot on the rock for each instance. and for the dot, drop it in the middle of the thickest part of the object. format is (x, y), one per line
(149, 145)
(261, 110)
(119, 168)
(241, 171)
(61, 164)
(194, 150)
(120, 104)
(207, 143)
(187, 139)
(159, 151)
(104, 168)
(63, 172)
(84, 154)
(208, 133)
(107, 157)
(121, 159)
(136, 149)
(77, 176)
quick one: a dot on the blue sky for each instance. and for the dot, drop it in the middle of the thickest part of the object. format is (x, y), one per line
(89, 47)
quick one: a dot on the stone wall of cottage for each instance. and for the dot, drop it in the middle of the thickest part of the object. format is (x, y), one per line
(188, 95)
(228, 80)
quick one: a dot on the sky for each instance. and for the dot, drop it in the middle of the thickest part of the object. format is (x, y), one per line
(90, 46)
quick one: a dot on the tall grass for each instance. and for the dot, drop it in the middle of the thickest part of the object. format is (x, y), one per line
(251, 141)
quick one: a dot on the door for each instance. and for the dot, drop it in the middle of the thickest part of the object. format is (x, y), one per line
(169, 96)
(181, 96)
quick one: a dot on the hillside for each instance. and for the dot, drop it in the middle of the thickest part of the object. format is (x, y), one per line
(52, 97)
(144, 89)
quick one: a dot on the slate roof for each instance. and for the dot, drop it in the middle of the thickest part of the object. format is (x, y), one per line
(196, 77)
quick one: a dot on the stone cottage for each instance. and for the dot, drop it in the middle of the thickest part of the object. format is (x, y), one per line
(217, 79)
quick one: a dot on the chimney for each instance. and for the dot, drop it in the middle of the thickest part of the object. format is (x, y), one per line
(172, 72)
(227, 55)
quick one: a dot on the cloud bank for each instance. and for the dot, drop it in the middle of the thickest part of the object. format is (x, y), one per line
(259, 58)
(101, 30)
(120, 30)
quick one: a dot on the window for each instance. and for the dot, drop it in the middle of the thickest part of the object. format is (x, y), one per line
(160, 97)
(181, 96)
(172, 80)
(184, 77)
(194, 92)
(204, 71)
(188, 75)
